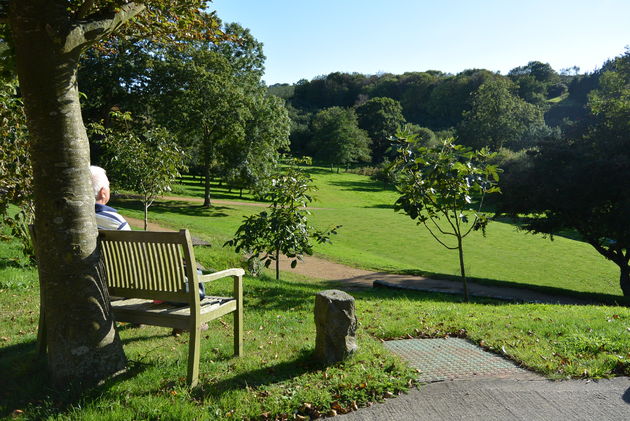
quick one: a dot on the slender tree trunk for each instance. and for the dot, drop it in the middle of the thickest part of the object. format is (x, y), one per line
(462, 270)
(206, 172)
(83, 345)
(277, 264)
(146, 216)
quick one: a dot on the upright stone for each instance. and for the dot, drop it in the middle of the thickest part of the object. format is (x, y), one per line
(336, 325)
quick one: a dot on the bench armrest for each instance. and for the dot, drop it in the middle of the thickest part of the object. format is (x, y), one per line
(221, 274)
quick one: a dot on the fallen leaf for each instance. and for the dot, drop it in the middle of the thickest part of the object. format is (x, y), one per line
(388, 395)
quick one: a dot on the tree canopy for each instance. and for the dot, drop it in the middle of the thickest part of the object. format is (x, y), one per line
(581, 182)
(46, 41)
(337, 138)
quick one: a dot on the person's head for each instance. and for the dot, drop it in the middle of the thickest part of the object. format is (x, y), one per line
(100, 183)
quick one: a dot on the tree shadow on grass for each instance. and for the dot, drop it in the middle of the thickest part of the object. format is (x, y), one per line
(363, 186)
(25, 384)
(14, 263)
(587, 297)
(519, 223)
(381, 206)
(176, 207)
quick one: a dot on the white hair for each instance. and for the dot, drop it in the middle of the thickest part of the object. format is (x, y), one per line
(99, 179)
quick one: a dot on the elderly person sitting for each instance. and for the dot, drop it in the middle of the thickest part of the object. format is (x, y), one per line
(107, 218)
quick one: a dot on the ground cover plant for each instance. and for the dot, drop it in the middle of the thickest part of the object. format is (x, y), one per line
(276, 377)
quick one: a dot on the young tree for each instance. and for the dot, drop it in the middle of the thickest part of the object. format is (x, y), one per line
(438, 186)
(48, 39)
(283, 229)
(145, 160)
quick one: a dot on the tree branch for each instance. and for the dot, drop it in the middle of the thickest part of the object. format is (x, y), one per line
(92, 30)
(439, 227)
(607, 253)
(471, 226)
(436, 238)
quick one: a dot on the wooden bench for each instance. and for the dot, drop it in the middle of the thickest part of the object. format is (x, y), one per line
(145, 266)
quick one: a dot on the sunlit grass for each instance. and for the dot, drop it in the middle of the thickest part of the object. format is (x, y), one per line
(374, 237)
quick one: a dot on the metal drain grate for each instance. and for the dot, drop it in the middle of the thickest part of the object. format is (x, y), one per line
(454, 358)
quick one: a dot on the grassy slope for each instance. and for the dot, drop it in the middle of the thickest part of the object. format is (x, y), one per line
(374, 237)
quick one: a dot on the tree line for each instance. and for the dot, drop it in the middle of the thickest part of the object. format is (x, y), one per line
(480, 107)
(561, 138)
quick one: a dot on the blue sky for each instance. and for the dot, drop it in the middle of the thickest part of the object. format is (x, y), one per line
(304, 39)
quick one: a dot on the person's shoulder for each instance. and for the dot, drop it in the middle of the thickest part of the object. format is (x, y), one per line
(109, 219)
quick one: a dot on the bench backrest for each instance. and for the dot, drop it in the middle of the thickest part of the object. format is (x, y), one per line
(152, 265)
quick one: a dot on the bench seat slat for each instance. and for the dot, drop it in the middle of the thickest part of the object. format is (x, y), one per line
(136, 310)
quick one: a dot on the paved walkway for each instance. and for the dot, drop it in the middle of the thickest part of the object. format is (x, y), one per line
(506, 399)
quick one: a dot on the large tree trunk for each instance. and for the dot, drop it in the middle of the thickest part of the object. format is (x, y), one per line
(624, 279)
(83, 346)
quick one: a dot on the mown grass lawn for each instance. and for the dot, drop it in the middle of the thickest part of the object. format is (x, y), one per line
(277, 376)
(374, 237)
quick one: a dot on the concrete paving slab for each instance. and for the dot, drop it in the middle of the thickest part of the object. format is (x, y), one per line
(506, 399)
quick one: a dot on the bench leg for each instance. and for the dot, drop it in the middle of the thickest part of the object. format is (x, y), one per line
(193, 356)
(238, 316)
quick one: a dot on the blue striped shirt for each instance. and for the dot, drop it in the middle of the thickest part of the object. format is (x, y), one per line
(109, 219)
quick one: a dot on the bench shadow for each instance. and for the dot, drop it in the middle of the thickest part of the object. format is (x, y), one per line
(302, 364)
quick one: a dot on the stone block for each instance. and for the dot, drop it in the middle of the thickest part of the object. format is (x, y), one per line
(336, 325)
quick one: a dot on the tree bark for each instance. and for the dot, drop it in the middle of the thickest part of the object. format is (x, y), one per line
(277, 264)
(624, 279)
(460, 249)
(146, 216)
(83, 345)
(206, 172)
